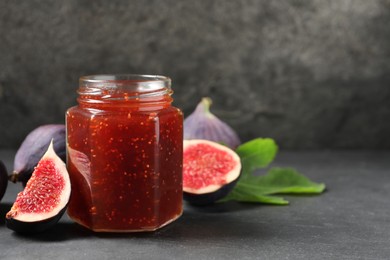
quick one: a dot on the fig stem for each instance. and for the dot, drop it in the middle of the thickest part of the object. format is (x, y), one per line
(206, 101)
(13, 177)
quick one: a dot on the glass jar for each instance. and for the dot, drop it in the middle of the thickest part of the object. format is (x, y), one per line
(124, 154)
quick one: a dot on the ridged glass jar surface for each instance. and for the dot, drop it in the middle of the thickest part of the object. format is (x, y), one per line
(124, 154)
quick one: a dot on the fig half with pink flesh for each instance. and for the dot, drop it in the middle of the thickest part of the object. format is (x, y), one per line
(210, 171)
(44, 199)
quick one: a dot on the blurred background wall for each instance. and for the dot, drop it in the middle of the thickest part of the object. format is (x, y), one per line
(311, 74)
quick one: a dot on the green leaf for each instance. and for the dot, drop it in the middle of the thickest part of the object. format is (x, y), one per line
(255, 154)
(276, 181)
(242, 195)
(259, 153)
(282, 180)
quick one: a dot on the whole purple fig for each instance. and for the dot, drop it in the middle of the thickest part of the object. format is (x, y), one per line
(33, 148)
(202, 124)
(3, 179)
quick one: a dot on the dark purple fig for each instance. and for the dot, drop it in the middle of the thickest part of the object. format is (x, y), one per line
(210, 171)
(33, 148)
(3, 179)
(44, 199)
(202, 124)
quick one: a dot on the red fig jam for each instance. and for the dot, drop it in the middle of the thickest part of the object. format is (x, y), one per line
(124, 154)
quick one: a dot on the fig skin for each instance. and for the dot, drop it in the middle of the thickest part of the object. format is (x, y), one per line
(202, 124)
(33, 227)
(3, 179)
(34, 146)
(209, 198)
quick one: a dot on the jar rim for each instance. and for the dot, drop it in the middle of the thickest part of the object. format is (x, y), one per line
(110, 78)
(117, 87)
(140, 82)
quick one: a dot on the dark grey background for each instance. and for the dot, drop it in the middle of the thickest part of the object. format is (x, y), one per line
(311, 74)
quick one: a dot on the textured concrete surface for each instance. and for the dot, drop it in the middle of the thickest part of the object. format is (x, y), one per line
(311, 74)
(349, 221)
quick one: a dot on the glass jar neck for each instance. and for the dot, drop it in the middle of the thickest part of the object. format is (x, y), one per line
(140, 91)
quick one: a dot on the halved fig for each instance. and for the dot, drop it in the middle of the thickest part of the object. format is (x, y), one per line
(44, 199)
(210, 171)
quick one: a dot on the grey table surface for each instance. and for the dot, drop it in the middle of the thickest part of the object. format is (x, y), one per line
(351, 220)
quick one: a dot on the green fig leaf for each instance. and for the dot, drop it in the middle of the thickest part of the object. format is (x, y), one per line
(276, 181)
(255, 154)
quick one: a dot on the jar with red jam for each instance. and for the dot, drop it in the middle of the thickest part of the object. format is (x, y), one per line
(124, 154)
